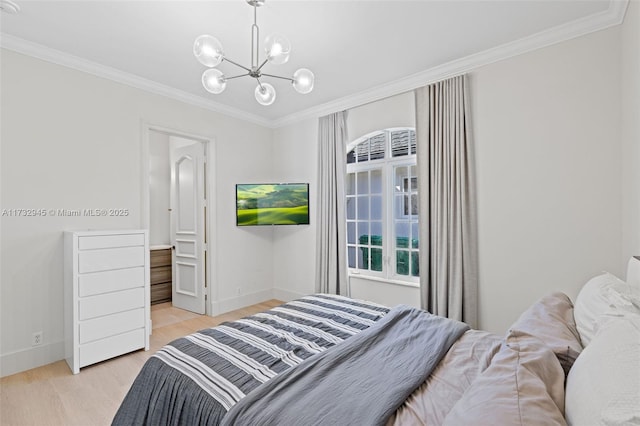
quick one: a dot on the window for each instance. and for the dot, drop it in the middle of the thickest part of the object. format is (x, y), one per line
(382, 205)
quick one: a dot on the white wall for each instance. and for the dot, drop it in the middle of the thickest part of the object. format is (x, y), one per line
(71, 140)
(630, 87)
(179, 142)
(159, 187)
(294, 160)
(396, 111)
(295, 149)
(160, 146)
(546, 130)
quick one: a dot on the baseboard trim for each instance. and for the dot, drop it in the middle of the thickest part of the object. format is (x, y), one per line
(286, 295)
(226, 305)
(26, 359)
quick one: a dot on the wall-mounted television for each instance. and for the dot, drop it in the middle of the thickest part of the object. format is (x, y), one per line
(272, 204)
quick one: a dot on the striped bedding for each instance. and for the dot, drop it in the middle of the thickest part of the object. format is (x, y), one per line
(198, 378)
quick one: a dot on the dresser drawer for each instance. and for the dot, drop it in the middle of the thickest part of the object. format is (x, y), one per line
(108, 281)
(110, 241)
(111, 346)
(110, 303)
(110, 325)
(113, 258)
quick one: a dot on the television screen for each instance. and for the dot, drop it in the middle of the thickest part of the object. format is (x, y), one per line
(272, 204)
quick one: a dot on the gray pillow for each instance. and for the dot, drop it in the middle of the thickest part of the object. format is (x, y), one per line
(550, 319)
(524, 385)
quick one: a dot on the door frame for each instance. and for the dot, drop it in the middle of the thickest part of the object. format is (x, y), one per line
(209, 145)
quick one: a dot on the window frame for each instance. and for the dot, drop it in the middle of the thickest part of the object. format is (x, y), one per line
(387, 165)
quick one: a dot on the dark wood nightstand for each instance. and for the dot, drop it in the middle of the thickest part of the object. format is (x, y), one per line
(160, 275)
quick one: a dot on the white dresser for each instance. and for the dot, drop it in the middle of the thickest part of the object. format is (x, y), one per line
(106, 294)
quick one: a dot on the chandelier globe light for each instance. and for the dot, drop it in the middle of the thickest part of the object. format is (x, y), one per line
(265, 94)
(209, 52)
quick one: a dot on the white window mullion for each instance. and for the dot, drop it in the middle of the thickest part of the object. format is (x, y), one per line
(389, 247)
(367, 153)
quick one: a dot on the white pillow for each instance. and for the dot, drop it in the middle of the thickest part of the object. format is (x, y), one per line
(603, 386)
(599, 295)
(633, 271)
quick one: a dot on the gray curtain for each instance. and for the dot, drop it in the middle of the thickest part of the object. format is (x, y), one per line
(448, 226)
(331, 267)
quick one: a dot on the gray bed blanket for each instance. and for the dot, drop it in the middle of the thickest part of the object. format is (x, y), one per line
(359, 382)
(194, 380)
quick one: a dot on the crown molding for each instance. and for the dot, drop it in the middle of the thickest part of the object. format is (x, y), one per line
(614, 15)
(48, 54)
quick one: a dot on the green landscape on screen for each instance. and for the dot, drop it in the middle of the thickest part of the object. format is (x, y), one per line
(272, 204)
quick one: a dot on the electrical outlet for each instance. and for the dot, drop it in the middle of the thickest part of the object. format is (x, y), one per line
(36, 338)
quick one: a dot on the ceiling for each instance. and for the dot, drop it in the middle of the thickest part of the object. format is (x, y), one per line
(353, 47)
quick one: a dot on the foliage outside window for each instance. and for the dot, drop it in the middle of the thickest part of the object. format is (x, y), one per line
(382, 205)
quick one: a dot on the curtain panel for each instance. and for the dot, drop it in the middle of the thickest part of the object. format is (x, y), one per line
(331, 263)
(447, 213)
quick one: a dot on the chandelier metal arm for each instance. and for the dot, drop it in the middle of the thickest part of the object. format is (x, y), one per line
(262, 65)
(236, 76)
(277, 76)
(236, 64)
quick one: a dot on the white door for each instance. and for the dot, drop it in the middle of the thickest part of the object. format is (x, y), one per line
(188, 226)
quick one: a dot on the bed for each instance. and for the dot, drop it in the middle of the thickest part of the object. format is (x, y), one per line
(330, 360)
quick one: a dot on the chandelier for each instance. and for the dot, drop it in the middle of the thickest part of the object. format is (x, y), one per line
(208, 50)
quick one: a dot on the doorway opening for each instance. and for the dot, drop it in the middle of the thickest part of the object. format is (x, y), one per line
(177, 206)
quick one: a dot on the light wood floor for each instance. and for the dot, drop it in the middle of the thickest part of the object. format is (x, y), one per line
(51, 395)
